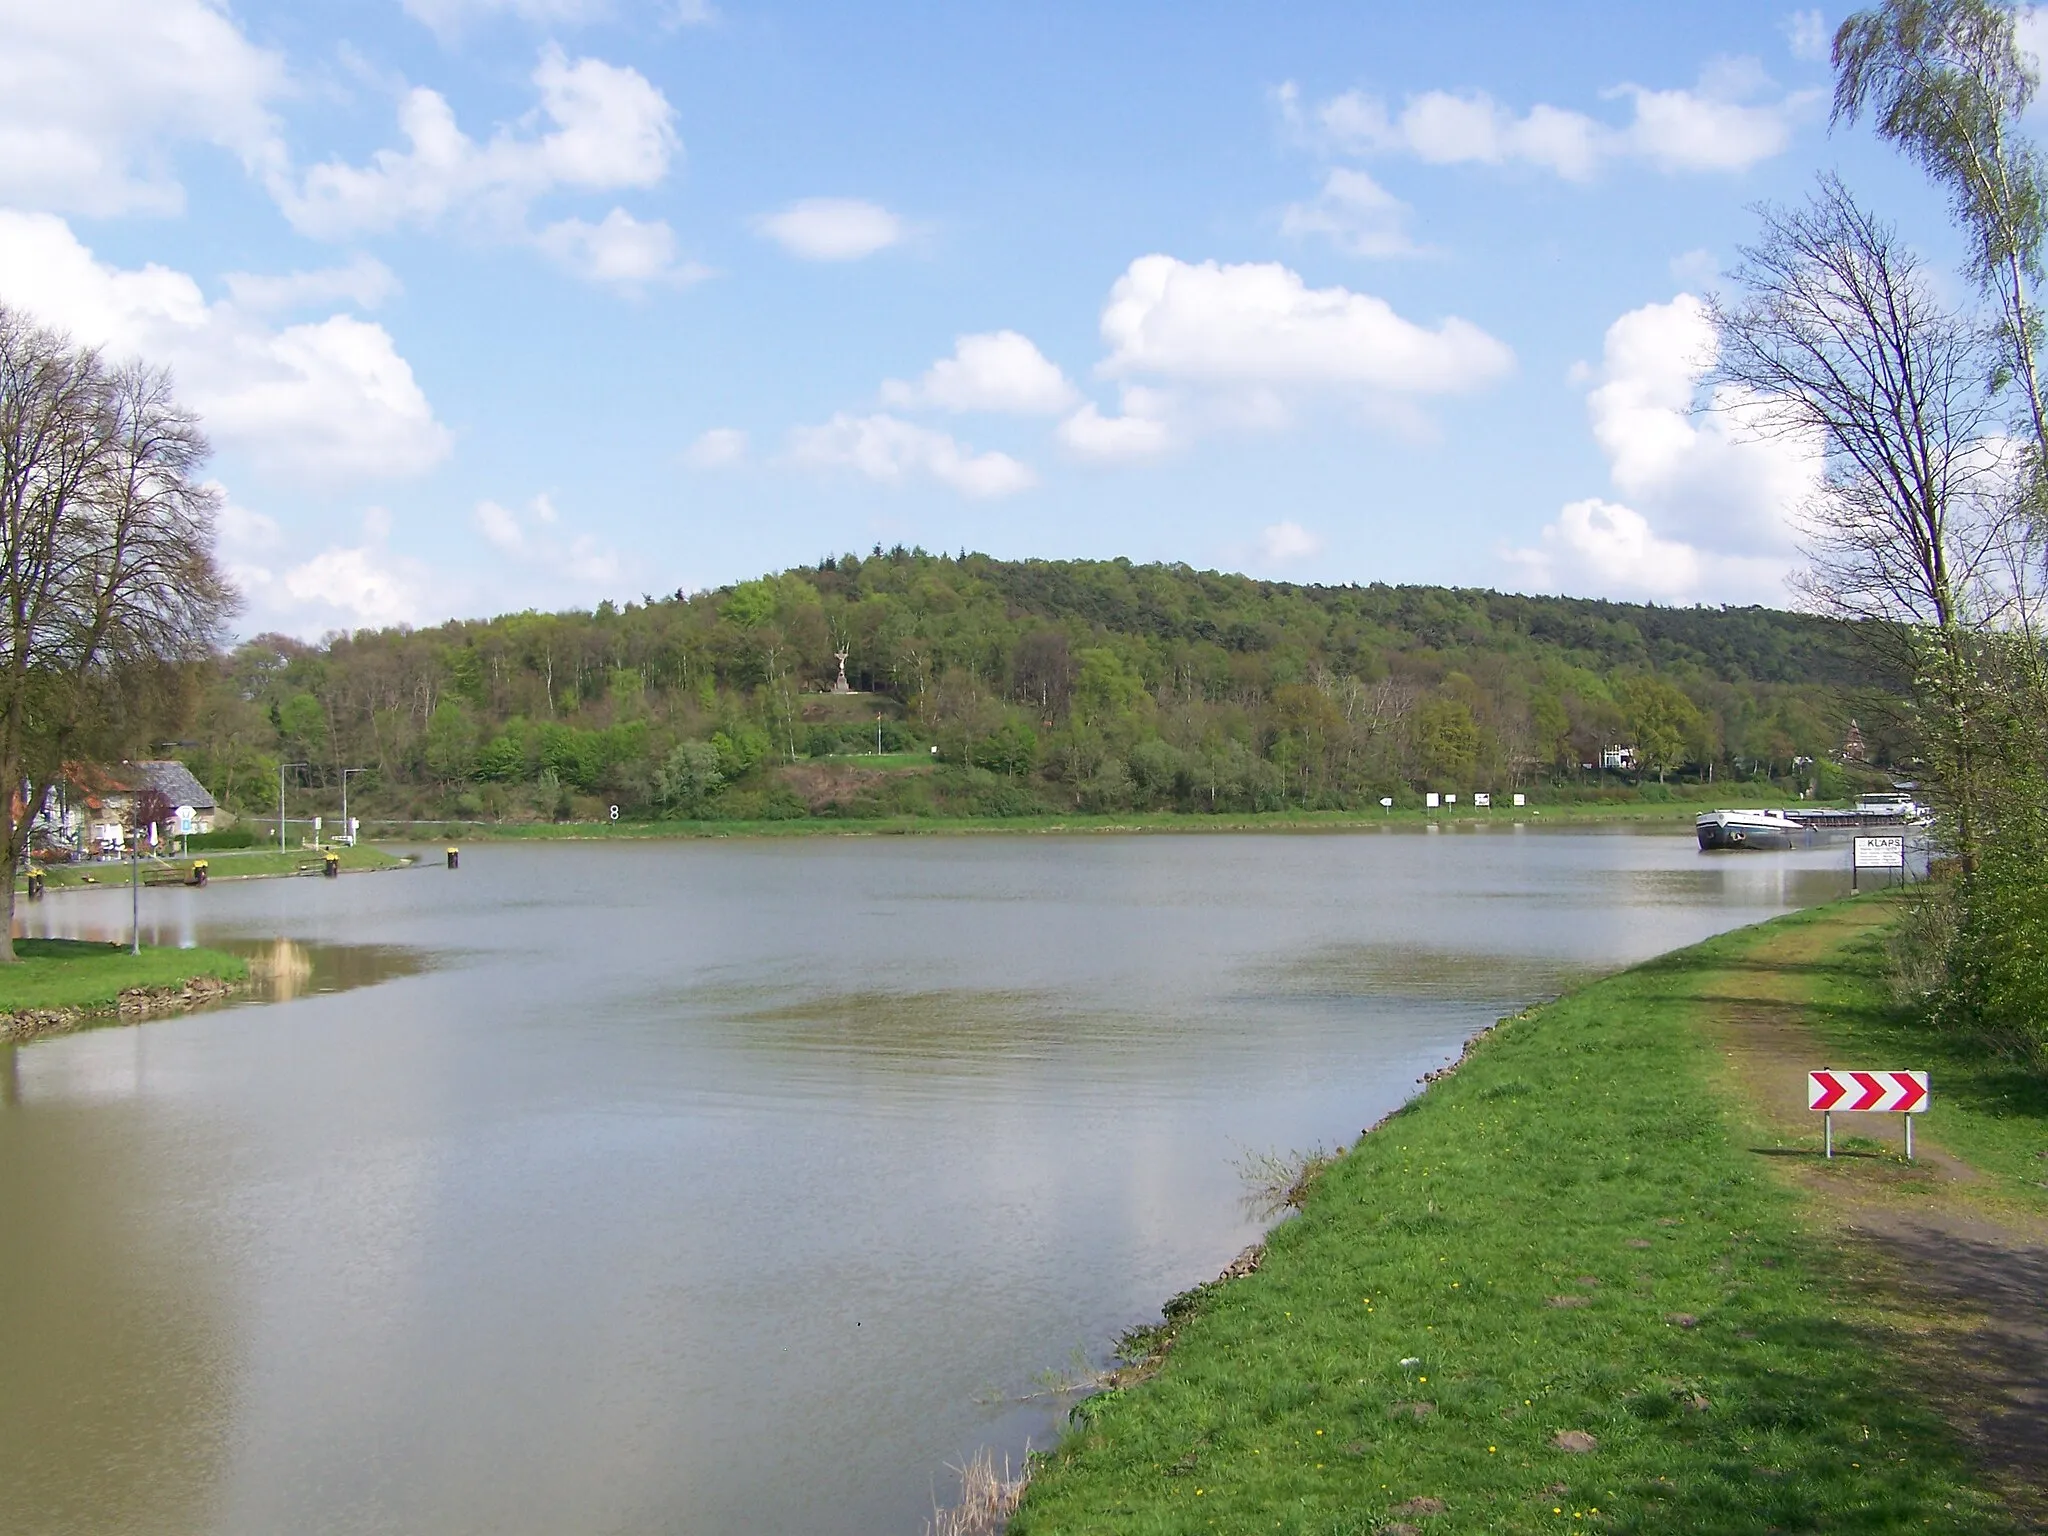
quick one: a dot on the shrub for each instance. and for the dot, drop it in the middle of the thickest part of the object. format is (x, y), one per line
(227, 837)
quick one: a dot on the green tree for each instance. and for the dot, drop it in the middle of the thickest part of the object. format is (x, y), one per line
(1662, 721)
(740, 748)
(689, 778)
(1446, 741)
(451, 742)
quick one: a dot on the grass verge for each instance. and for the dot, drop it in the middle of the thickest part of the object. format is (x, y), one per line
(1989, 1110)
(222, 864)
(1554, 1292)
(72, 974)
(1649, 813)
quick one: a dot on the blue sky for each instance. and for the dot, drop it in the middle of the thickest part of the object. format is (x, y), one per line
(502, 303)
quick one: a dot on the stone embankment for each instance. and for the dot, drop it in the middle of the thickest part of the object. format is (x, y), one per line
(135, 1003)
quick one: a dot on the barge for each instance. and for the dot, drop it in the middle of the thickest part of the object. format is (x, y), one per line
(1800, 827)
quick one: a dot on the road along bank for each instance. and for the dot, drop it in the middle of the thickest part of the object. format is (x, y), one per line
(1563, 1287)
(60, 984)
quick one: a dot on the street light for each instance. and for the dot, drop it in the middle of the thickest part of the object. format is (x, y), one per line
(280, 800)
(347, 827)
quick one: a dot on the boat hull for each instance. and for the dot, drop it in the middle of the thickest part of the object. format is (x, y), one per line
(1717, 834)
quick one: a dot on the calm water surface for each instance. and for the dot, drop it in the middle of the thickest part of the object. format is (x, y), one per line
(699, 1187)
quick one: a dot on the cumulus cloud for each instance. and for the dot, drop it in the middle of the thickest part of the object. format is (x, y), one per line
(833, 228)
(621, 252)
(1129, 436)
(604, 127)
(91, 92)
(891, 451)
(533, 536)
(364, 282)
(1806, 35)
(1356, 214)
(1731, 119)
(1260, 324)
(1286, 543)
(995, 371)
(1710, 501)
(360, 585)
(717, 448)
(330, 399)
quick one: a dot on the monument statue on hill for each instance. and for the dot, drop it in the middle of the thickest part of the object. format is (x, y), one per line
(840, 685)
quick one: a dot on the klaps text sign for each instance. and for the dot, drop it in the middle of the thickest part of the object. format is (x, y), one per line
(1880, 1093)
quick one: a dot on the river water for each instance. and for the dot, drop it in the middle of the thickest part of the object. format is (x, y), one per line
(708, 1187)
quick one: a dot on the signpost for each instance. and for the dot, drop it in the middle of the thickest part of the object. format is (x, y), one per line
(1877, 1093)
(1484, 799)
(1876, 853)
(1429, 799)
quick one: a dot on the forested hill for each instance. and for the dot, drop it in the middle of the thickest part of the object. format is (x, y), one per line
(1044, 685)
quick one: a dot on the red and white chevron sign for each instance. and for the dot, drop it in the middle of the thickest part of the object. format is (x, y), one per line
(1892, 1093)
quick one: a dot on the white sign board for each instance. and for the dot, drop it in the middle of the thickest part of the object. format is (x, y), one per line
(1880, 853)
(1429, 800)
(1482, 798)
(1521, 800)
(188, 821)
(1386, 802)
(1450, 799)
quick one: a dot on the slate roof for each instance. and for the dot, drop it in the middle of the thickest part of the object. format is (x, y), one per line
(174, 781)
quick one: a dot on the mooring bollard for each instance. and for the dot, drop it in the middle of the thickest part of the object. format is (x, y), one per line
(331, 865)
(35, 884)
(199, 871)
(454, 858)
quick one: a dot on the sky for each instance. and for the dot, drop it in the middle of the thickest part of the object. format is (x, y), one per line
(498, 304)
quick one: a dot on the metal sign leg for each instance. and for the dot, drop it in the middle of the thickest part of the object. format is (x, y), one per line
(1909, 1138)
(1827, 1121)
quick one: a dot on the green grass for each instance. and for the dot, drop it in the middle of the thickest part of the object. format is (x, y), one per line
(69, 973)
(1672, 814)
(1578, 1154)
(1989, 1110)
(221, 864)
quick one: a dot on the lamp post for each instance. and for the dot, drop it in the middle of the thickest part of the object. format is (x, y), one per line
(348, 827)
(280, 800)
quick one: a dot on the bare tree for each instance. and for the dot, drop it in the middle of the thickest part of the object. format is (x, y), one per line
(1839, 340)
(107, 574)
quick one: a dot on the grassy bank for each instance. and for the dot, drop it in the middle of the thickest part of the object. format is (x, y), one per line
(1666, 813)
(1559, 1290)
(69, 974)
(222, 864)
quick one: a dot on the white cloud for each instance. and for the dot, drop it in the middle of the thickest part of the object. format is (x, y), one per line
(833, 228)
(1355, 213)
(1093, 435)
(693, 13)
(1260, 324)
(364, 585)
(365, 282)
(94, 92)
(993, 371)
(891, 450)
(1710, 502)
(1806, 35)
(1285, 543)
(718, 448)
(330, 399)
(608, 127)
(532, 538)
(621, 252)
(1719, 125)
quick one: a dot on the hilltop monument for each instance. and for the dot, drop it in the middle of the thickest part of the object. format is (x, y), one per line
(839, 684)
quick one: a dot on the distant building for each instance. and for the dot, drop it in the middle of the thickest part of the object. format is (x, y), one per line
(93, 805)
(1618, 759)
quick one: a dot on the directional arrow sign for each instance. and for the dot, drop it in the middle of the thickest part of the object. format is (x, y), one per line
(1892, 1093)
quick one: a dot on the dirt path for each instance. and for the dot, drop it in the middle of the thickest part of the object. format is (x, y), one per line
(1959, 1285)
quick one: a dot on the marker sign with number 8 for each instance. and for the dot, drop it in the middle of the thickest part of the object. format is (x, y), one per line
(615, 813)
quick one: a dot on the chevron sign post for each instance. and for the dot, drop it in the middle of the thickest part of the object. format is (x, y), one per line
(1887, 1093)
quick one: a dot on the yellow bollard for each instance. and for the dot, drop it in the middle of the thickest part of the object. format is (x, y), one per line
(35, 884)
(454, 858)
(199, 871)
(330, 866)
